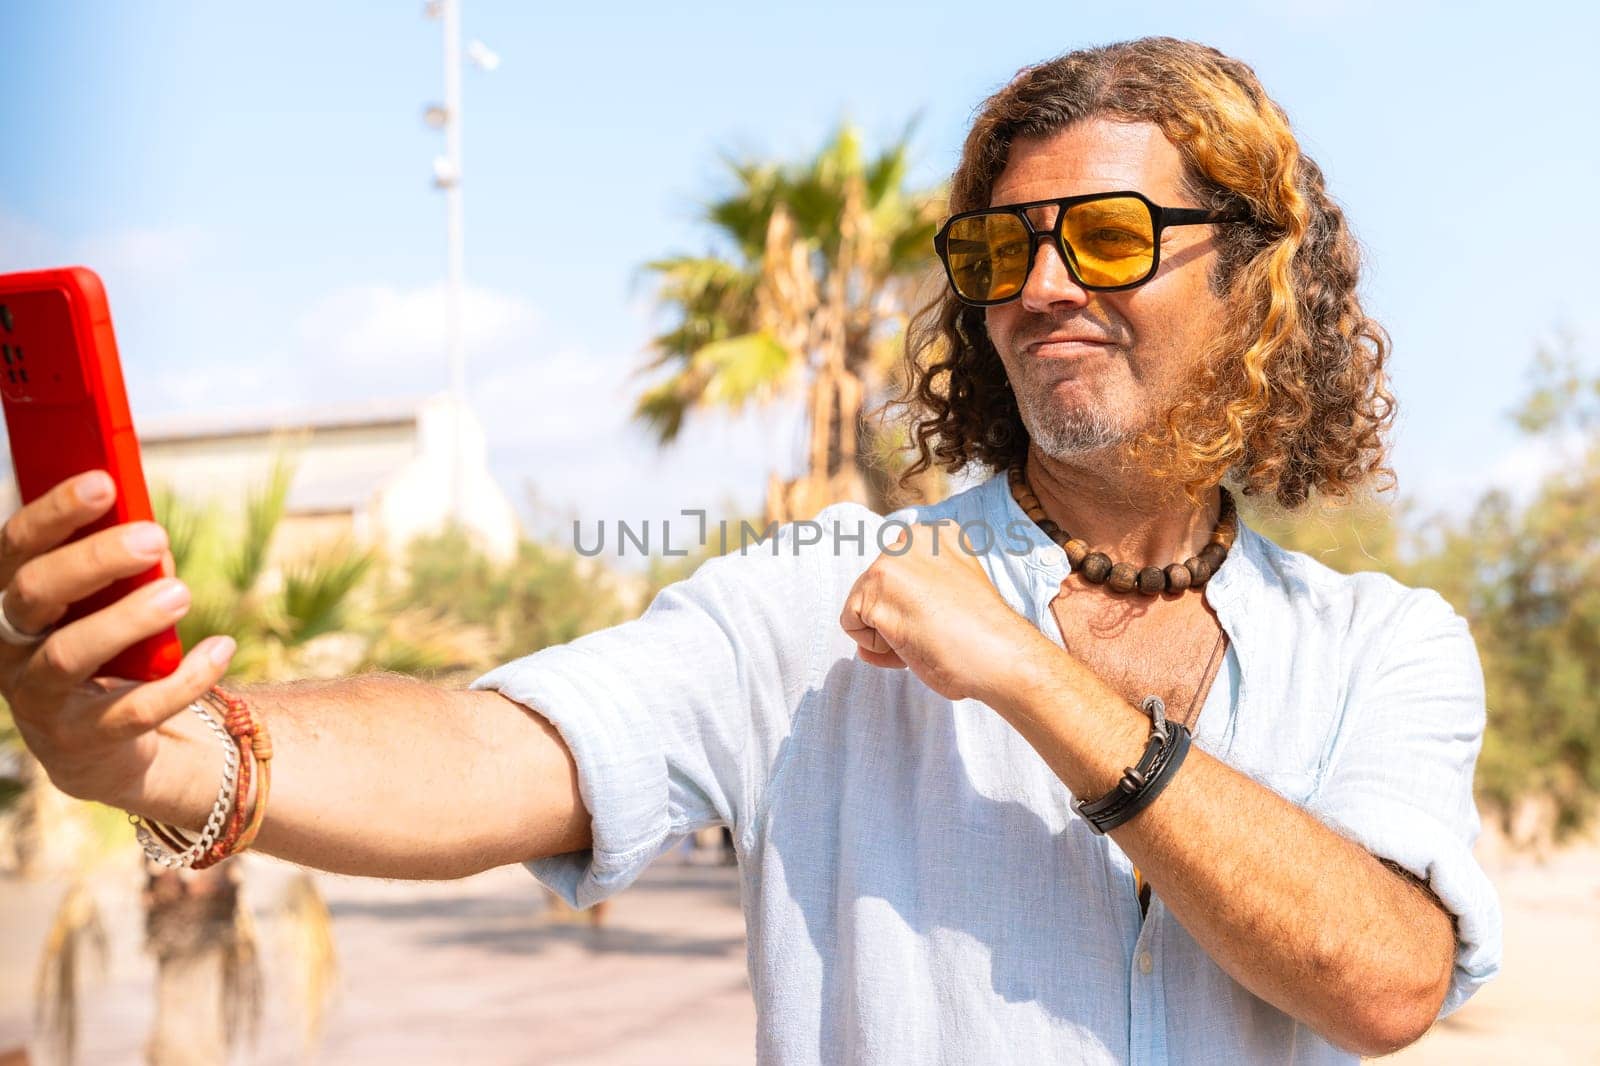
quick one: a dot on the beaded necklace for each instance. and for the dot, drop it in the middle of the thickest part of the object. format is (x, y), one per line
(1097, 567)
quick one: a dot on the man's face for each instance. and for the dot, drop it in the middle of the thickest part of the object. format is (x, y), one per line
(1092, 370)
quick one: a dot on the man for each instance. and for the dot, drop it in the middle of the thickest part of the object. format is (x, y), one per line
(895, 727)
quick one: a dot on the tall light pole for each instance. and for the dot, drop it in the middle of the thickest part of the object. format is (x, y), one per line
(447, 176)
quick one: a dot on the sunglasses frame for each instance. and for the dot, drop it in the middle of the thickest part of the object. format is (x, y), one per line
(1160, 218)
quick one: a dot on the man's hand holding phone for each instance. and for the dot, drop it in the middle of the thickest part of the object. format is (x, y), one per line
(99, 738)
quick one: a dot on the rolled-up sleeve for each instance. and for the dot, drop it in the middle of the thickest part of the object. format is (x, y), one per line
(1399, 779)
(674, 718)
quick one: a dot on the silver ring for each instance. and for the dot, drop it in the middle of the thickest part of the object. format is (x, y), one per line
(11, 634)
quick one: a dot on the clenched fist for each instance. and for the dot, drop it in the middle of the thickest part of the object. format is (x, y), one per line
(926, 604)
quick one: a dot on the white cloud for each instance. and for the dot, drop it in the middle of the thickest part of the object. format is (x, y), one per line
(1525, 467)
(1519, 472)
(129, 254)
(375, 327)
(130, 260)
(556, 418)
(545, 396)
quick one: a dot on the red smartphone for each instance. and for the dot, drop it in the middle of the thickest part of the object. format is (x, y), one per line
(66, 413)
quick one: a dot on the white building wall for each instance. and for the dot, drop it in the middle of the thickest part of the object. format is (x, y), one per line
(388, 469)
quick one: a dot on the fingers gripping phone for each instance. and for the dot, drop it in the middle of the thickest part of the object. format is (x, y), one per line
(66, 413)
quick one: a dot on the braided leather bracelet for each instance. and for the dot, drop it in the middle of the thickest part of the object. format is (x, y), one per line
(1164, 752)
(256, 746)
(228, 829)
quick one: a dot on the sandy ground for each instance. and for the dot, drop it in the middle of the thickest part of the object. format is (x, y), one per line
(473, 972)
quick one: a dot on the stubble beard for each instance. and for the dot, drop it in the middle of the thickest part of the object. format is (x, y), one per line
(1068, 432)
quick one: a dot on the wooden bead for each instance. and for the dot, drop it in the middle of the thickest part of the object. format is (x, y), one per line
(1124, 576)
(1096, 567)
(1213, 555)
(1152, 581)
(1199, 571)
(1077, 552)
(1051, 530)
(1178, 577)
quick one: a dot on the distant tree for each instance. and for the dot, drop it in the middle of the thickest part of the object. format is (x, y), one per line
(1526, 577)
(543, 595)
(809, 290)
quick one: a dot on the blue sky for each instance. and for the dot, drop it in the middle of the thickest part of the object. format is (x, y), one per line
(255, 186)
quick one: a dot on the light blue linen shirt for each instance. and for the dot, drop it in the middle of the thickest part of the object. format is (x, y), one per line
(915, 884)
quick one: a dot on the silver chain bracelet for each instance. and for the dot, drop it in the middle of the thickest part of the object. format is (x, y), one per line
(158, 852)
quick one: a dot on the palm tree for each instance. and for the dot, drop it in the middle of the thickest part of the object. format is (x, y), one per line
(196, 923)
(822, 260)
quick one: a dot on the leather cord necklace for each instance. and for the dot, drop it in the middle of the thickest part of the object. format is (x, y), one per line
(1097, 568)
(1141, 887)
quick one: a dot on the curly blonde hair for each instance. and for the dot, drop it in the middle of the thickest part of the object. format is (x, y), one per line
(1292, 397)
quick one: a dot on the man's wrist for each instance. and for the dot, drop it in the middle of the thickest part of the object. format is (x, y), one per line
(1085, 731)
(180, 784)
(1034, 680)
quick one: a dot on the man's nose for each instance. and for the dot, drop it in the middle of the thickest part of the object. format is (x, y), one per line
(1050, 285)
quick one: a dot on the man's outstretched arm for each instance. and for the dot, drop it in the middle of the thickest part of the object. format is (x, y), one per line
(379, 775)
(386, 776)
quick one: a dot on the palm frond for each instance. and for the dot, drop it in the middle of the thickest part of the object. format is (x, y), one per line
(742, 215)
(215, 615)
(308, 929)
(241, 990)
(663, 407)
(886, 174)
(316, 593)
(182, 523)
(75, 939)
(743, 369)
(263, 510)
(838, 228)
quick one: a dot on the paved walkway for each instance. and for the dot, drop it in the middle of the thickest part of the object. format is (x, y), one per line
(471, 973)
(458, 972)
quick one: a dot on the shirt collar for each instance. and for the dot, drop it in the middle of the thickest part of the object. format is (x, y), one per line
(1045, 566)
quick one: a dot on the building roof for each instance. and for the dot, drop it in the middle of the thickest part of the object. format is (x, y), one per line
(220, 425)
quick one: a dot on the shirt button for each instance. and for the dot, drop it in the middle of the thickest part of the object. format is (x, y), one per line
(1146, 963)
(1052, 556)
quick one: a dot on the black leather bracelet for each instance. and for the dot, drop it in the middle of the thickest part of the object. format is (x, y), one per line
(1141, 784)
